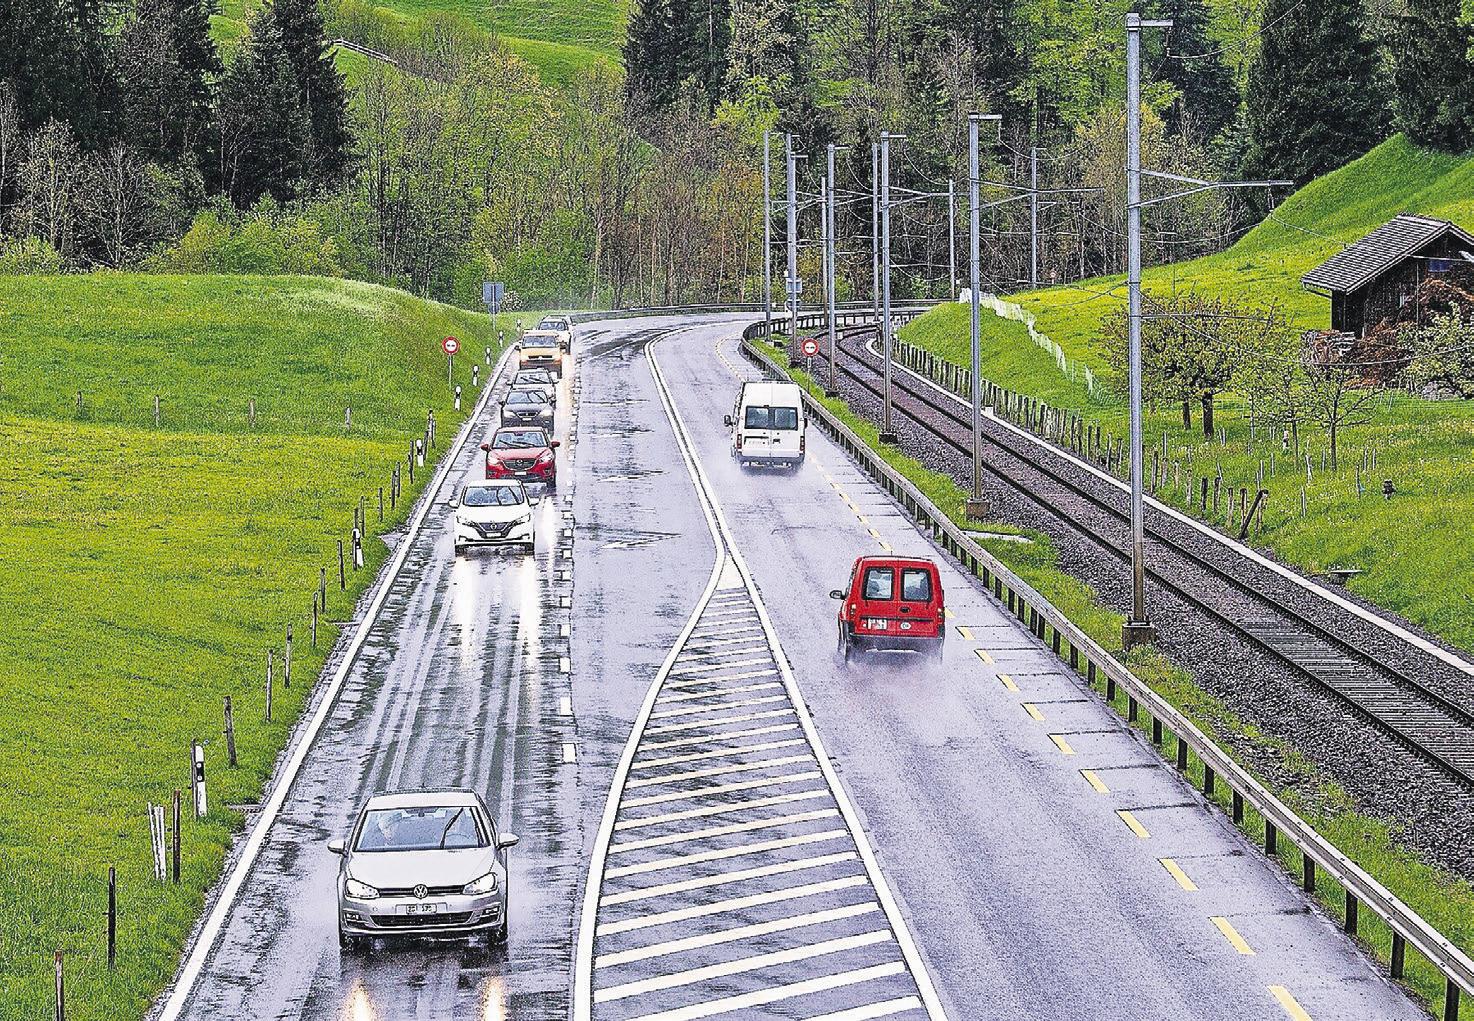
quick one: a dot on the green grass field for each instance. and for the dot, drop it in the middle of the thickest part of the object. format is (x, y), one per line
(145, 572)
(1413, 550)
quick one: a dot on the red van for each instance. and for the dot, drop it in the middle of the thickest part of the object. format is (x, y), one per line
(892, 603)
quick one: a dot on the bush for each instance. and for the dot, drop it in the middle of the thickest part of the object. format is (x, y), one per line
(263, 242)
(28, 257)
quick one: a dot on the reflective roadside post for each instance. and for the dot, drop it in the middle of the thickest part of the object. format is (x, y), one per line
(977, 504)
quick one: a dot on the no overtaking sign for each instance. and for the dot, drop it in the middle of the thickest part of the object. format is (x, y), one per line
(450, 345)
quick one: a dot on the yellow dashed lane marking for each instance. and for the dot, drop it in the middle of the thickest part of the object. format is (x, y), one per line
(1033, 711)
(886, 546)
(1233, 936)
(863, 519)
(1288, 1002)
(1094, 781)
(965, 632)
(1179, 875)
(983, 655)
(1062, 744)
(1130, 820)
(1008, 682)
(949, 613)
(873, 532)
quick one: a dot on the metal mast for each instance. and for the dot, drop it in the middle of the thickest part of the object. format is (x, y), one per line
(833, 388)
(977, 506)
(887, 433)
(767, 242)
(792, 240)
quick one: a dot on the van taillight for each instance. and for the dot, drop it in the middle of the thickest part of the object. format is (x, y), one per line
(800, 443)
(739, 441)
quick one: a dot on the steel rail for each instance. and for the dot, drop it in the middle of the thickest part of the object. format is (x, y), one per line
(1089, 657)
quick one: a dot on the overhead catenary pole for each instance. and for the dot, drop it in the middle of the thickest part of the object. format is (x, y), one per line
(951, 239)
(1034, 216)
(767, 241)
(792, 239)
(887, 433)
(829, 283)
(977, 505)
(1138, 629)
(875, 224)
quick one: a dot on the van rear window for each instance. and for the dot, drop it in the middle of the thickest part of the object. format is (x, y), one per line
(916, 585)
(880, 582)
(763, 417)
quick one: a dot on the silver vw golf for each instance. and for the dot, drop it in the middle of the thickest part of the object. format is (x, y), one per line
(422, 863)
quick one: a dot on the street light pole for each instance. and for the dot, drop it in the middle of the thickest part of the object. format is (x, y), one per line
(887, 433)
(833, 388)
(977, 504)
(767, 242)
(1138, 629)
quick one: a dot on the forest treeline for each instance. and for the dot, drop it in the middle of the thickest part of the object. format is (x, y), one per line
(128, 140)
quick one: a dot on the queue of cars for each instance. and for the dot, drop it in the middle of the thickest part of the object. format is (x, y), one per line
(431, 862)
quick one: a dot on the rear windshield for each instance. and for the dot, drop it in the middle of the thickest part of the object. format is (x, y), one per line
(763, 417)
(448, 827)
(492, 496)
(880, 582)
(916, 585)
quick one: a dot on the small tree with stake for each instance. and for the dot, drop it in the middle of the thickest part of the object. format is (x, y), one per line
(1337, 393)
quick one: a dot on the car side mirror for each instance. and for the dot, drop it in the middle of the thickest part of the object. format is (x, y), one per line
(727, 421)
(533, 501)
(454, 502)
(507, 840)
(555, 443)
(836, 594)
(486, 446)
(336, 846)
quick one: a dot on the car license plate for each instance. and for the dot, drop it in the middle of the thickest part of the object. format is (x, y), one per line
(876, 624)
(421, 909)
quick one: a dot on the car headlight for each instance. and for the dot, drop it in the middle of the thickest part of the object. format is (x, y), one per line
(480, 887)
(524, 518)
(545, 457)
(359, 891)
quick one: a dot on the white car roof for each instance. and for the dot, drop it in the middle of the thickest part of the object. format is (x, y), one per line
(454, 796)
(765, 392)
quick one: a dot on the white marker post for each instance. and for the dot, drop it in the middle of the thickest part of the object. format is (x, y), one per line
(197, 778)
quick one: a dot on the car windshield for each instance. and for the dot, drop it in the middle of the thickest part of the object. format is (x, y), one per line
(916, 585)
(880, 582)
(492, 496)
(551, 324)
(762, 417)
(526, 397)
(515, 438)
(427, 828)
(531, 376)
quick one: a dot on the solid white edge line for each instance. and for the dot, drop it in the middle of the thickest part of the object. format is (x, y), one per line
(711, 939)
(583, 972)
(915, 964)
(1452, 660)
(722, 878)
(204, 944)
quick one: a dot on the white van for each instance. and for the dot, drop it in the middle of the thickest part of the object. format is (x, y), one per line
(768, 424)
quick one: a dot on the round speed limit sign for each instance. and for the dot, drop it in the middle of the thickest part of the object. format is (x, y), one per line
(810, 347)
(450, 345)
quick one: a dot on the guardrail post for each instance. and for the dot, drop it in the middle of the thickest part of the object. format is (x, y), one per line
(1131, 709)
(1090, 672)
(1271, 839)
(1074, 657)
(1351, 906)
(1181, 754)
(1238, 807)
(1399, 952)
(1450, 1001)
(1210, 781)
(1307, 873)
(1110, 688)
(1156, 731)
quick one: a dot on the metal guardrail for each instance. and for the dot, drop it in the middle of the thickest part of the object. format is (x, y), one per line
(1086, 656)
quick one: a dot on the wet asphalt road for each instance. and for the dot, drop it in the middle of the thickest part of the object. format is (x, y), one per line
(1027, 892)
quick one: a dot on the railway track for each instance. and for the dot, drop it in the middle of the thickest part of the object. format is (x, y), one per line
(1376, 684)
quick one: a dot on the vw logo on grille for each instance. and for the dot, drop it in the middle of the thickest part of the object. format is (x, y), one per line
(422, 891)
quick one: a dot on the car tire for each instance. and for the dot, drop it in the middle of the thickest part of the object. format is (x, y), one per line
(935, 650)
(350, 944)
(846, 643)
(552, 483)
(529, 548)
(460, 550)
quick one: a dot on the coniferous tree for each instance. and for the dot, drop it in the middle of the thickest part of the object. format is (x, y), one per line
(1433, 77)
(320, 88)
(58, 56)
(1315, 99)
(670, 43)
(264, 136)
(168, 65)
(1208, 98)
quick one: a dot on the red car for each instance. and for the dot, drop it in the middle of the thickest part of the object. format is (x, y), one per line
(519, 452)
(892, 603)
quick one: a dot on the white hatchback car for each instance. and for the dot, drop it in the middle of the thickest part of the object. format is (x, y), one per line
(497, 512)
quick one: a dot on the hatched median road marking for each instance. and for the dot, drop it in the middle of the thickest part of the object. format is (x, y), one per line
(725, 825)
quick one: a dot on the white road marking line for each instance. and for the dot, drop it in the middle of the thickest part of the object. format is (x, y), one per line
(681, 685)
(715, 616)
(692, 710)
(722, 878)
(721, 831)
(565, 630)
(723, 754)
(719, 666)
(745, 932)
(565, 665)
(737, 967)
(722, 907)
(723, 809)
(745, 1001)
(728, 630)
(565, 706)
(702, 792)
(708, 643)
(727, 852)
(786, 760)
(719, 691)
(570, 753)
(885, 1008)
(717, 722)
(686, 742)
(565, 601)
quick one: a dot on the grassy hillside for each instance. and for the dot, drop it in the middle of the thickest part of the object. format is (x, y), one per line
(144, 573)
(1413, 550)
